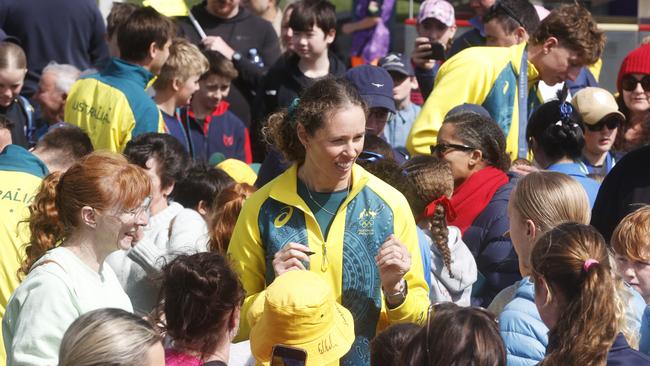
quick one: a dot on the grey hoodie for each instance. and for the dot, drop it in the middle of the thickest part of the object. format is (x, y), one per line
(463, 266)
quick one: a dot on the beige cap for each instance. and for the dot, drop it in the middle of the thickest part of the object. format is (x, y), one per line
(594, 104)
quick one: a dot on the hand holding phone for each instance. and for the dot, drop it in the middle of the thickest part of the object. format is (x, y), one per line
(437, 51)
(288, 356)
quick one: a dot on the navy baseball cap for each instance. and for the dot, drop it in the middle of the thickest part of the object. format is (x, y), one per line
(374, 84)
(397, 62)
(468, 108)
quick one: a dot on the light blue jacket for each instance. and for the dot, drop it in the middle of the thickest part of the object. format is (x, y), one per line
(644, 343)
(525, 335)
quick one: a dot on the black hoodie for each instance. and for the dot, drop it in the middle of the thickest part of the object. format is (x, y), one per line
(242, 32)
(280, 86)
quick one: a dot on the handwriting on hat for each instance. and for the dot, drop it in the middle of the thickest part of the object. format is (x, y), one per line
(326, 344)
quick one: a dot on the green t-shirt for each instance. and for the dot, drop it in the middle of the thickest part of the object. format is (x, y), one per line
(320, 203)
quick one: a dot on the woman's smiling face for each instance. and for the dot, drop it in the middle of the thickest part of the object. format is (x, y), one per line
(334, 147)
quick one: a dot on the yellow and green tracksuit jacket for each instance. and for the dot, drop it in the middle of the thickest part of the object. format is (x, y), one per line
(21, 174)
(112, 106)
(276, 215)
(485, 76)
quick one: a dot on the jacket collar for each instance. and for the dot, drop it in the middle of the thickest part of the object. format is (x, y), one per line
(516, 53)
(123, 69)
(17, 159)
(285, 187)
(619, 343)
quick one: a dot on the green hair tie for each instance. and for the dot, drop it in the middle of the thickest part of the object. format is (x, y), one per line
(291, 111)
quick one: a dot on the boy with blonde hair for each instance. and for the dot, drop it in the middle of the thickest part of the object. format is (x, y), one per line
(210, 125)
(177, 82)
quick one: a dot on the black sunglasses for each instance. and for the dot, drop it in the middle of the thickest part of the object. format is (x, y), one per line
(369, 156)
(443, 148)
(611, 124)
(509, 12)
(629, 82)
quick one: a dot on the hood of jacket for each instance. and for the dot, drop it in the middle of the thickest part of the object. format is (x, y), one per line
(463, 265)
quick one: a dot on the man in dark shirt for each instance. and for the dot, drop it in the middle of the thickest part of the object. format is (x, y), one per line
(242, 37)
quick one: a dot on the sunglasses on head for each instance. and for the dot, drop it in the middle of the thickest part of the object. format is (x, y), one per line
(611, 124)
(509, 12)
(442, 148)
(629, 82)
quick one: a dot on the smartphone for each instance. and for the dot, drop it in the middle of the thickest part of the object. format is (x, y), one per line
(437, 51)
(288, 356)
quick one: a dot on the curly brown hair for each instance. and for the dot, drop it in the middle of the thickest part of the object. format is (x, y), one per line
(317, 104)
(429, 178)
(575, 29)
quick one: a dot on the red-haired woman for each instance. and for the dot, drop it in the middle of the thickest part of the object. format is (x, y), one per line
(77, 219)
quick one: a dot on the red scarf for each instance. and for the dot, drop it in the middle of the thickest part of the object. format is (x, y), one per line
(474, 194)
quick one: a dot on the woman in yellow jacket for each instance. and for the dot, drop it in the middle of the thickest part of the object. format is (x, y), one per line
(328, 215)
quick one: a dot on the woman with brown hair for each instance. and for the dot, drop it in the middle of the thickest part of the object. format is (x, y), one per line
(633, 85)
(78, 218)
(328, 215)
(575, 296)
(456, 336)
(201, 297)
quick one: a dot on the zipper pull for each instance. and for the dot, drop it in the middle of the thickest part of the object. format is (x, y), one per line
(324, 262)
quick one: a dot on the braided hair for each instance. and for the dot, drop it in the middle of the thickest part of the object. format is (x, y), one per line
(429, 178)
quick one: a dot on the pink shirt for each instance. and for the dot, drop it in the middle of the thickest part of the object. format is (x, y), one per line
(175, 358)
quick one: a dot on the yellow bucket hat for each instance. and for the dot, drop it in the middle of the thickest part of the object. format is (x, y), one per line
(298, 309)
(239, 171)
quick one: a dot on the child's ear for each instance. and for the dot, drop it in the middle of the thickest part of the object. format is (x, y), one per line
(202, 208)
(153, 50)
(531, 231)
(330, 36)
(176, 84)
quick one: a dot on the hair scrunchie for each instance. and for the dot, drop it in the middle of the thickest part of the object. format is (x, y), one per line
(291, 111)
(450, 213)
(588, 264)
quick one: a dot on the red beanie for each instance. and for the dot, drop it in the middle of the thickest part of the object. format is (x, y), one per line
(636, 62)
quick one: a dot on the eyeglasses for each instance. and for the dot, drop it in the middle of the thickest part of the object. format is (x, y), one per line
(442, 148)
(369, 156)
(611, 124)
(144, 207)
(629, 82)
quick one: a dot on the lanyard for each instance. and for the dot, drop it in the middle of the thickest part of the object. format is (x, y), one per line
(522, 99)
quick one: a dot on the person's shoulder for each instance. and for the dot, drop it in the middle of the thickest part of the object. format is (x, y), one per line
(384, 190)
(632, 161)
(475, 59)
(231, 118)
(246, 16)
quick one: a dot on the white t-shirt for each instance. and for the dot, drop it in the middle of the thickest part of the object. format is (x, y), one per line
(58, 290)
